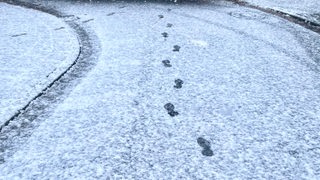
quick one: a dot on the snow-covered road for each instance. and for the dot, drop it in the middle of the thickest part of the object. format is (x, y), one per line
(35, 48)
(244, 86)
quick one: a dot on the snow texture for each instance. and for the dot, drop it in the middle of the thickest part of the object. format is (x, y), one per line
(248, 107)
(35, 48)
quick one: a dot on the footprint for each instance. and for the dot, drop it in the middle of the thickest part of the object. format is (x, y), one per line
(205, 144)
(166, 63)
(176, 48)
(160, 16)
(169, 25)
(164, 34)
(179, 83)
(170, 108)
(169, 9)
(173, 113)
(207, 152)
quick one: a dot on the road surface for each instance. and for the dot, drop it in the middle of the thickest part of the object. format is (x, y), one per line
(212, 91)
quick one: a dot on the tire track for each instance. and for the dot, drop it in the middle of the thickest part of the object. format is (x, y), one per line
(20, 124)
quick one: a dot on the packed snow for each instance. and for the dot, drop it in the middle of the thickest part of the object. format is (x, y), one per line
(212, 91)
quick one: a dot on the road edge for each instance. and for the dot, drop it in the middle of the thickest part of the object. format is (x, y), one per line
(313, 26)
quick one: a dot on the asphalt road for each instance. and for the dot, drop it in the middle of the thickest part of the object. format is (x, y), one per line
(178, 92)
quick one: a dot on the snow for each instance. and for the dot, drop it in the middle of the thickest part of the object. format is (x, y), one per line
(309, 9)
(35, 48)
(251, 88)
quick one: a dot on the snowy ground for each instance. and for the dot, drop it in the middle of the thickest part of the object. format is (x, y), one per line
(35, 48)
(250, 90)
(309, 9)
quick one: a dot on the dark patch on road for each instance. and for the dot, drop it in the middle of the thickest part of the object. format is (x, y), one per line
(17, 35)
(166, 63)
(178, 83)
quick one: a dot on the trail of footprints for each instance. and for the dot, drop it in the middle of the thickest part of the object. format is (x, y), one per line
(202, 142)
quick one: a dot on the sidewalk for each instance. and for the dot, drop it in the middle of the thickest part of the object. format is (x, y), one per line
(35, 48)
